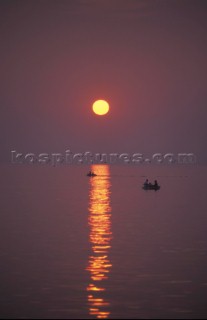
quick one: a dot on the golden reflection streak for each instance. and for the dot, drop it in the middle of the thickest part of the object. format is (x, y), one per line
(100, 237)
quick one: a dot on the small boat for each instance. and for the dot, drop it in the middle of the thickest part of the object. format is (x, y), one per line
(151, 187)
(91, 174)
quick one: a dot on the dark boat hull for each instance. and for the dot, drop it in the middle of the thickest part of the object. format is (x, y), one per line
(151, 188)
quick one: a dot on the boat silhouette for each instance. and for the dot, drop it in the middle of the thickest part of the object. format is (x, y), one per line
(91, 174)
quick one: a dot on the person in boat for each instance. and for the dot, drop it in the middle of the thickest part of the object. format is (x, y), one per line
(146, 183)
(91, 174)
(155, 184)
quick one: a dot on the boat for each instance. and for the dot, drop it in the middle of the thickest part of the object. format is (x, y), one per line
(91, 174)
(151, 187)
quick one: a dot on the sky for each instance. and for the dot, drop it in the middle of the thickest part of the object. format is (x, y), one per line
(147, 58)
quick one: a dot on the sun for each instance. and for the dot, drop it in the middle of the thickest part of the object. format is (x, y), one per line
(100, 107)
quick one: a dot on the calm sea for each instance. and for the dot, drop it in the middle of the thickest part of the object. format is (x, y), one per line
(74, 247)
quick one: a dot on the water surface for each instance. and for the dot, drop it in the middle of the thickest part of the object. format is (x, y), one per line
(74, 247)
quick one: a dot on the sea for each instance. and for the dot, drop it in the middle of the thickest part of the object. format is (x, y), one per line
(78, 247)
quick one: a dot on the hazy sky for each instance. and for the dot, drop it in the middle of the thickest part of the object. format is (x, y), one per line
(148, 59)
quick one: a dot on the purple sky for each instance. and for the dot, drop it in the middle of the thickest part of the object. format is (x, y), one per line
(148, 59)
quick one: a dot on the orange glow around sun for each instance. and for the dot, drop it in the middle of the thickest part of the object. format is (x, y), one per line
(100, 107)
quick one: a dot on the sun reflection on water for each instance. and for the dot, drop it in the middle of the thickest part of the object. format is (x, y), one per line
(100, 237)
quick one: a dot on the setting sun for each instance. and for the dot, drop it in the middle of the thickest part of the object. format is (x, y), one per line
(100, 107)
